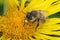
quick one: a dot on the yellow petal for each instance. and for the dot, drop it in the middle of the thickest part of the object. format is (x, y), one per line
(50, 29)
(46, 32)
(51, 24)
(44, 5)
(33, 4)
(52, 21)
(31, 38)
(45, 37)
(53, 9)
(41, 5)
(12, 5)
(22, 4)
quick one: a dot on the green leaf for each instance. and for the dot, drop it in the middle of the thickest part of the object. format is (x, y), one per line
(56, 15)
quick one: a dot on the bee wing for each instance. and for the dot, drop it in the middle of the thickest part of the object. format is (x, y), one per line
(42, 15)
(44, 12)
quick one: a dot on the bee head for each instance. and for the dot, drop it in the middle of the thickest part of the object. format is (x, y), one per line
(30, 16)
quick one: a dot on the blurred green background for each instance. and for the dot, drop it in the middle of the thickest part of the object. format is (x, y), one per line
(2, 8)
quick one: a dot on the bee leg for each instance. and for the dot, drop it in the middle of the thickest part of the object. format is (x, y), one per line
(37, 23)
(24, 23)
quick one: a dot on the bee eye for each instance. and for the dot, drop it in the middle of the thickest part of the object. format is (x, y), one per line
(29, 16)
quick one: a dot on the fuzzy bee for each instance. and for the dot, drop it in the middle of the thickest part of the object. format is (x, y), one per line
(35, 15)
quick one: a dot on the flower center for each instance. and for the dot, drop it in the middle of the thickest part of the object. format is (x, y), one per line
(15, 25)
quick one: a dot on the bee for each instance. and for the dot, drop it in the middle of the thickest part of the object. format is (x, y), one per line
(35, 15)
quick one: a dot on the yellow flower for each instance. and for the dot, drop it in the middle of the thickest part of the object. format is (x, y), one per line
(12, 23)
